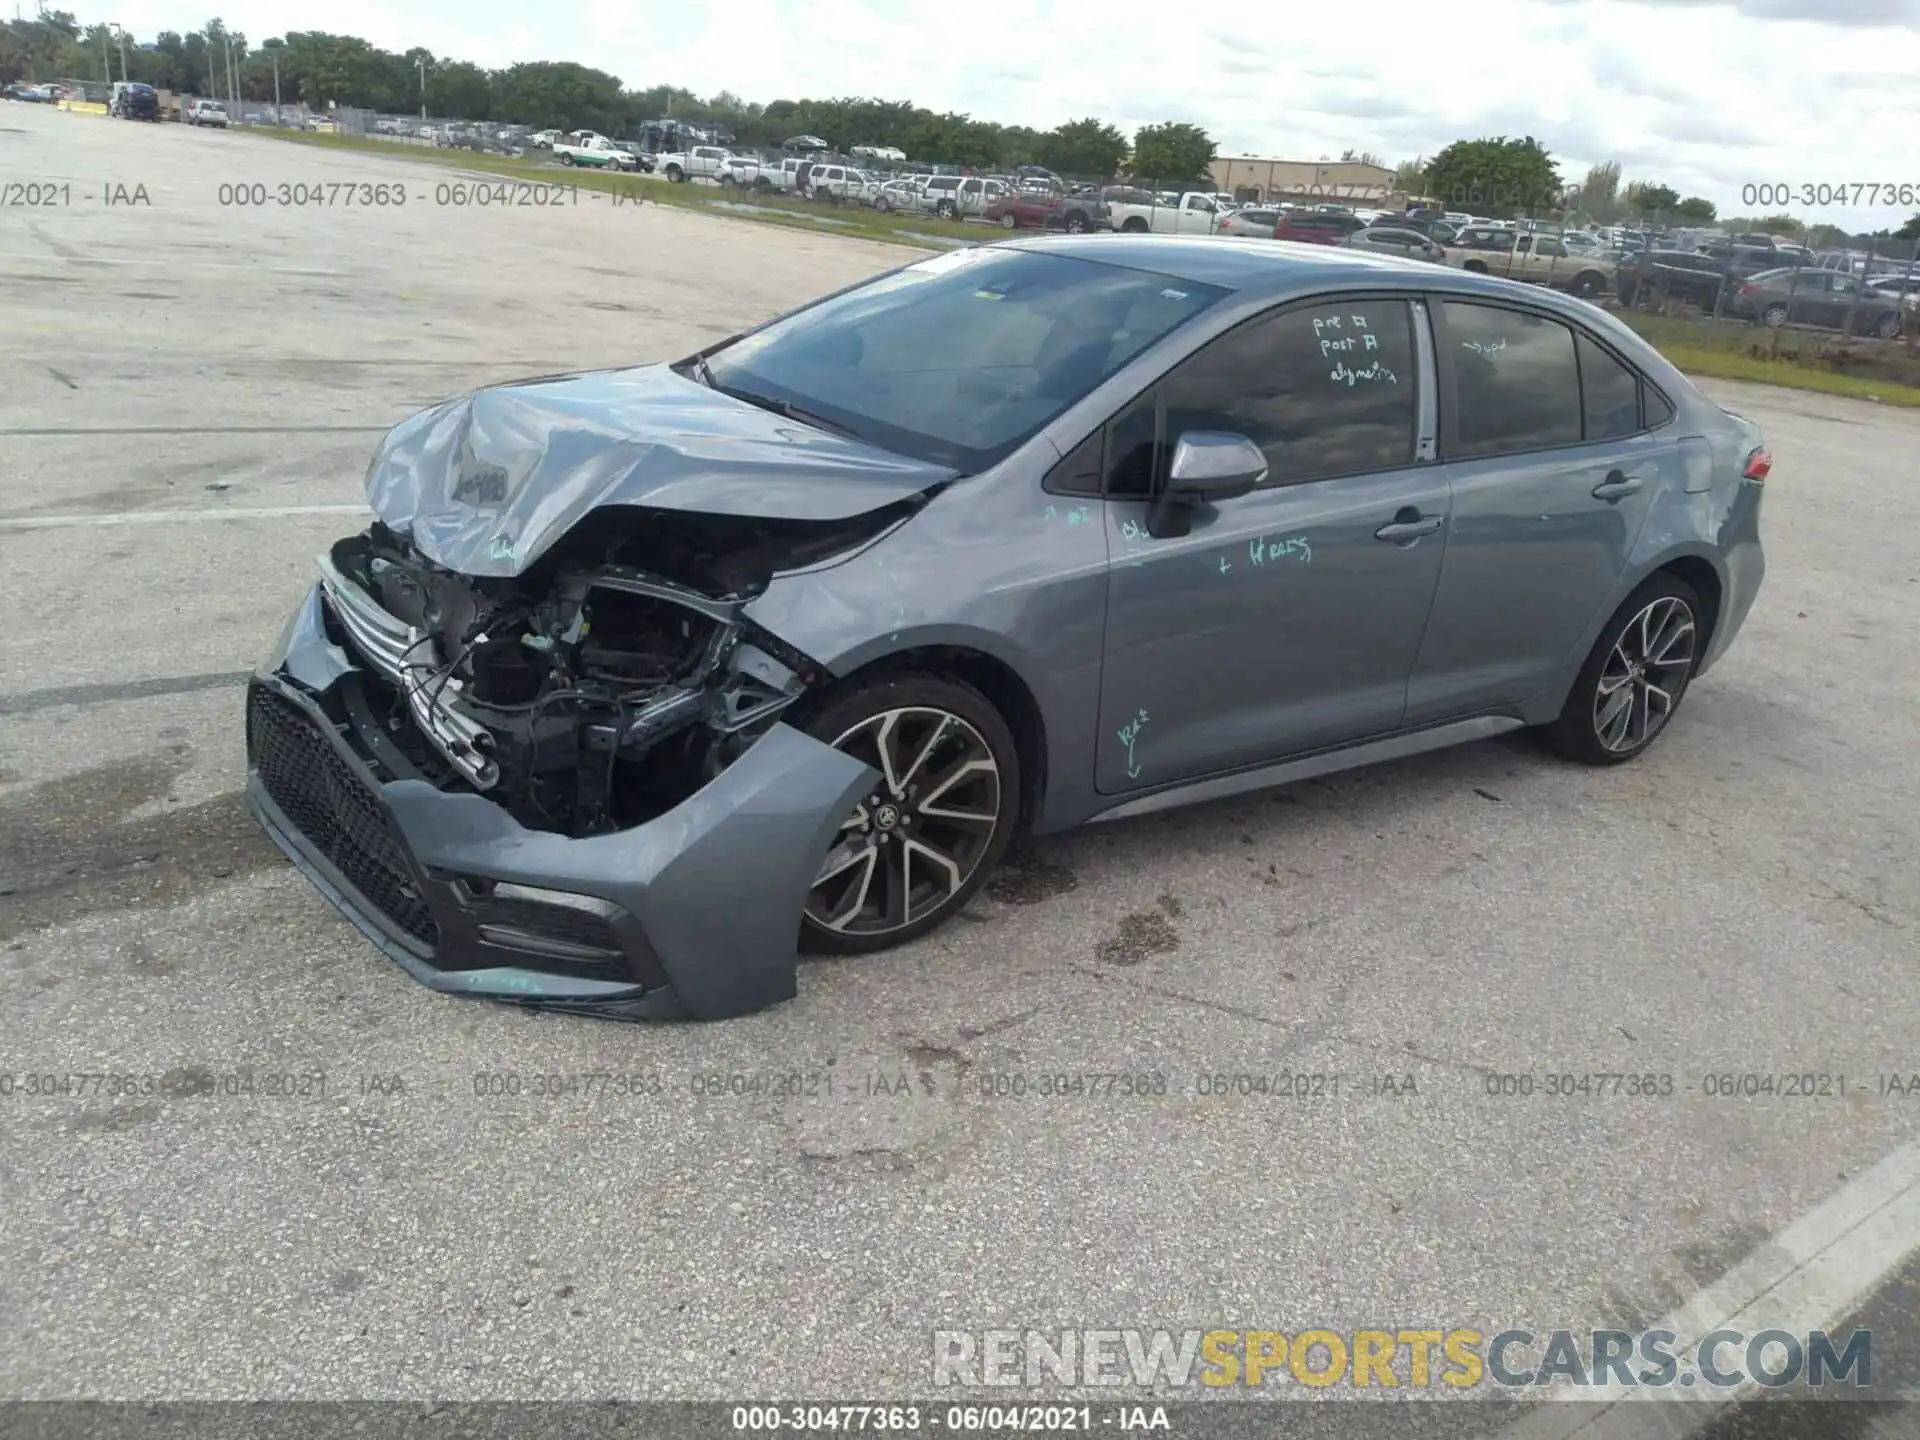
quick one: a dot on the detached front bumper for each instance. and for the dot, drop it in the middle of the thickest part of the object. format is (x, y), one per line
(693, 915)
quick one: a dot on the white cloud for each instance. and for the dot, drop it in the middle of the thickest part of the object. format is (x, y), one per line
(1705, 95)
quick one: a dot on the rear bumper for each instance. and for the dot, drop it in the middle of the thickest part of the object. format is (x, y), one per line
(1746, 569)
(693, 915)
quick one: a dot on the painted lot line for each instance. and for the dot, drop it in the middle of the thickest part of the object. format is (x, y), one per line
(174, 517)
(1809, 1276)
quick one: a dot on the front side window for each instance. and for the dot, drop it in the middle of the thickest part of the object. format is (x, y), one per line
(959, 359)
(1325, 389)
(1516, 381)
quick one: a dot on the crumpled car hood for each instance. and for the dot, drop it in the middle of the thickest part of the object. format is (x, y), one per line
(486, 483)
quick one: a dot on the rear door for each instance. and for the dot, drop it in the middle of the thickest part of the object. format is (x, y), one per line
(1812, 297)
(1554, 450)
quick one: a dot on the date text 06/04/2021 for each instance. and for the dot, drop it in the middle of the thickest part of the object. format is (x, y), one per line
(952, 1419)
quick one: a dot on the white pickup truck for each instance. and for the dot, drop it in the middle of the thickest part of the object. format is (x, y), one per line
(594, 151)
(1196, 213)
(701, 162)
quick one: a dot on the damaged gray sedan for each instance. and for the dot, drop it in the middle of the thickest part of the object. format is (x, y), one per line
(642, 681)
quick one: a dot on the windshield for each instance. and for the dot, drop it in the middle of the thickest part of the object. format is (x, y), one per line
(960, 359)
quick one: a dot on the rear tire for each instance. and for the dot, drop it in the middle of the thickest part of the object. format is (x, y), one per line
(1774, 316)
(947, 210)
(939, 820)
(1007, 222)
(1135, 226)
(1635, 678)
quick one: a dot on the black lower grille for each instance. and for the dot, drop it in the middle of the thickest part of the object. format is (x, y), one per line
(574, 927)
(333, 808)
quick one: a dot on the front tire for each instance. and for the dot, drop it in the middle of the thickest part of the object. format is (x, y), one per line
(1007, 222)
(937, 823)
(1636, 677)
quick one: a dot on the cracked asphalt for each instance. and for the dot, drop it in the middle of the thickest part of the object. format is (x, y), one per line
(296, 1179)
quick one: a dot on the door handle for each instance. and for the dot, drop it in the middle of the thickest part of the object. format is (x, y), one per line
(1617, 486)
(1408, 526)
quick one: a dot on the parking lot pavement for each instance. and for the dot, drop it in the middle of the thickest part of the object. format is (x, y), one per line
(1743, 900)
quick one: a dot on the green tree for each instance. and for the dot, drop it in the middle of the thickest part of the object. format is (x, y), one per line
(1600, 191)
(1910, 230)
(1652, 199)
(1174, 153)
(1083, 147)
(1498, 177)
(1410, 176)
(1695, 210)
(560, 94)
(460, 90)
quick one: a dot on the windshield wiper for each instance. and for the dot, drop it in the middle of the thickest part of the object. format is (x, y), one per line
(788, 409)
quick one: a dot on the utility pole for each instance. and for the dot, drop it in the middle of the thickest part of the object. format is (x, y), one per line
(420, 64)
(276, 84)
(121, 35)
(106, 64)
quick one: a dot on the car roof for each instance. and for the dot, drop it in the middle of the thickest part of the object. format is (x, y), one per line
(1281, 267)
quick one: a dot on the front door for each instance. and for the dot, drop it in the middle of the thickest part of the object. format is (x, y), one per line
(1288, 619)
(1552, 470)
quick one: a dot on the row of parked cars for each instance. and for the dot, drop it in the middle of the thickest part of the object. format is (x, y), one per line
(1782, 285)
(1750, 277)
(33, 94)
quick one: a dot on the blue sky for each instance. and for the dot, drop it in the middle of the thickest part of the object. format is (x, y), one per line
(1709, 96)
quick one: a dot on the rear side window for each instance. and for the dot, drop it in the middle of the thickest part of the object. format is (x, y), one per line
(1610, 393)
(1516, 381)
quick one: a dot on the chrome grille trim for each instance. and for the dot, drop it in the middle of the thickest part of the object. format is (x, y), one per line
(409, 658)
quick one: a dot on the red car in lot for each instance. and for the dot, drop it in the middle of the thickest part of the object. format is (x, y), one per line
(1074, 214)
(1318, 227)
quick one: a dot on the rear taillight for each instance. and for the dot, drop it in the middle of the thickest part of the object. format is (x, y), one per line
(1749, 289)
(1759, 464)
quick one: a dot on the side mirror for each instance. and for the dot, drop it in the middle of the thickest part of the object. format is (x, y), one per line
(1208, 466)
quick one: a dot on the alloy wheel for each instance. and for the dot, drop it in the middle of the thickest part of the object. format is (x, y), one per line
(1774, 316)
(1645, 672)
(914, 843)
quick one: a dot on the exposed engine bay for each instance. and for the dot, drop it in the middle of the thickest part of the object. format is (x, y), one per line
(597, 689)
